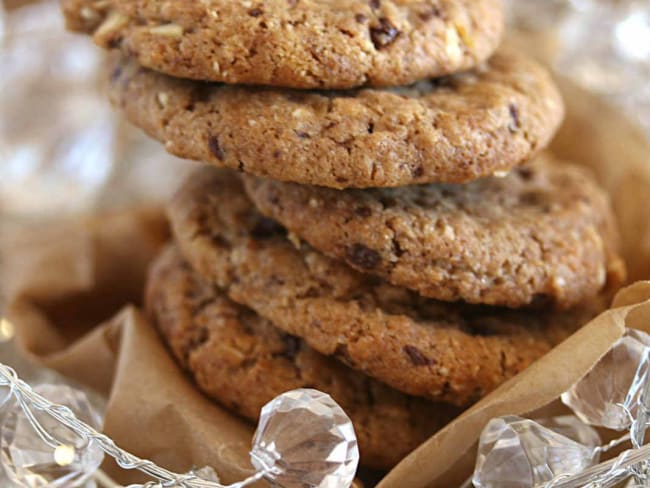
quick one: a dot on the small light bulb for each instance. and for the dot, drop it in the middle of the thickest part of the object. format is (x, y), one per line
(64, 455)
(7, 330)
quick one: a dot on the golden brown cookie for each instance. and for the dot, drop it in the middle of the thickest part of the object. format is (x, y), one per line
(454, 130)
(298, 44)
(545, 233)
(242, 361)
(440, 350)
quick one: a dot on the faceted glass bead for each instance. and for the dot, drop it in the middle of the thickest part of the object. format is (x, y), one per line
(520, 453)
(5, 395)
(602, 396)
(572, 427)
(304, 439)
(31, 462)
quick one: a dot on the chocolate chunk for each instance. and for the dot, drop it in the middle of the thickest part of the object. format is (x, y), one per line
(397, 248)
(383, 34)
(430, 14)
(265, 228)
(416, 356)
(291, 346)
(363, 211)
(525, 174)
(363, 256)
(514, 115)
(215, 148)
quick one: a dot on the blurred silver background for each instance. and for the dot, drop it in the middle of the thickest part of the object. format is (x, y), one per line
(64, 150)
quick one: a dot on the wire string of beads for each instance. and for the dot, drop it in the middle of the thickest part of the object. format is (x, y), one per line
(28, 399)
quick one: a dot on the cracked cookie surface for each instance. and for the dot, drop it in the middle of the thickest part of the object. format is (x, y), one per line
(450, 130)
(544, 233)
(297, 44)
(242, 361)
(440, 350)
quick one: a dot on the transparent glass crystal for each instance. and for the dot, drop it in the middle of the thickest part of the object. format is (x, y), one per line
(66, 462)
(572, 427)
(304, 439)
(603, 396)
(519, 453)
(5, 396)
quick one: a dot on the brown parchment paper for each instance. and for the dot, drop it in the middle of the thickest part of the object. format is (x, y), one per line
(73, 288)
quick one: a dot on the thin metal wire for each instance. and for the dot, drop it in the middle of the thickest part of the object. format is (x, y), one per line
(28, 399)
(40, 430)
(602, 475)
(612, 444)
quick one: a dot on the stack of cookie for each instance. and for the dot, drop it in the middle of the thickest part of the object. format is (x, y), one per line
(381, 227)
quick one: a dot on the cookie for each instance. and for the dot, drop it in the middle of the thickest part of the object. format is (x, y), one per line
(444, 351)
(297, 44)
(451, 130)
(545, 233)
(242, 361)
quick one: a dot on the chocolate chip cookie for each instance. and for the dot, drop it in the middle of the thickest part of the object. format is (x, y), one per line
(298, 44)
(544, 233)
(242, 361)
(444, 351)
(454, 129)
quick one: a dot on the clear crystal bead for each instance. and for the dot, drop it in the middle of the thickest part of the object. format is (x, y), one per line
(572, 427)
(304, 439)
(605, 394)
(31, 462)
(519, 453)
(5, 395)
